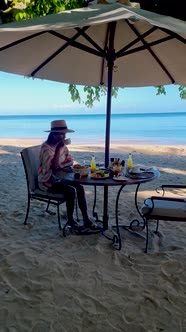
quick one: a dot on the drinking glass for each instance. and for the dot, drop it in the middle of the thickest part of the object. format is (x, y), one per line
(117, 170)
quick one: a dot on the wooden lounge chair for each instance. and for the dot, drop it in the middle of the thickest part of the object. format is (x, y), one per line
(164, 208)
(30, 158)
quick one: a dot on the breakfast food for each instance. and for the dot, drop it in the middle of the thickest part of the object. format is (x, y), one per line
(100, 174)
(78, 166)
(117, 167)
(79, 169)
(116, 163)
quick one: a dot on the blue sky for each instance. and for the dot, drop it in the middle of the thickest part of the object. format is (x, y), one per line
(21, 95)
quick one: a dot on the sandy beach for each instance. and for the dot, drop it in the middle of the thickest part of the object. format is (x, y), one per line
(80, 283)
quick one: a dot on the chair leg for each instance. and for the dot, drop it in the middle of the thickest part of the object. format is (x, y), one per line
(28, 208)
(157, 225)
(64, 229)
(147, 235)
(77, 216)
(48, 211)
(58, 217)
(48, 205)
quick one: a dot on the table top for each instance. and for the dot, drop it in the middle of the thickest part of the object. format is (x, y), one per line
(69, 177)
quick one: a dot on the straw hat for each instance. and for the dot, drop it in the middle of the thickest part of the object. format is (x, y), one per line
(59, 126)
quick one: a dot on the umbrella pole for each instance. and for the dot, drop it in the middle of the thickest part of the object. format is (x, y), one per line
(108, 115)
(110, 65)
(107, 141)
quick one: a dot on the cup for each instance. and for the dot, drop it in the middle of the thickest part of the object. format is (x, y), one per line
(117, 170)
(67, 141)
(123, 163)
(136, 169)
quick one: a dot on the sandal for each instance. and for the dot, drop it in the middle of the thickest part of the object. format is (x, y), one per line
(92, 225)
(89, 227)
(75, 226)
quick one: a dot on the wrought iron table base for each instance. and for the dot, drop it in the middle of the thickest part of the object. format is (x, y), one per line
(134, 226)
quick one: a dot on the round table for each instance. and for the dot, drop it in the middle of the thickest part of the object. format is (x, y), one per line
(147, 176)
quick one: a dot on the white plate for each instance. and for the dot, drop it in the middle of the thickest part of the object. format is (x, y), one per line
(141, 170)
(136, 172)
(120, 178)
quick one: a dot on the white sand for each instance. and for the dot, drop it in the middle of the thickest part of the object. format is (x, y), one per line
(80, 283)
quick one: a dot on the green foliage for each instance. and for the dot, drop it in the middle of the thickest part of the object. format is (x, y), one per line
(47, 7)
(92, 94)
(182, 90)
(160, 90)
(75, 96)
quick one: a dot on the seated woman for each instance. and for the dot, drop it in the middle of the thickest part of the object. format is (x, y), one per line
(54, 154)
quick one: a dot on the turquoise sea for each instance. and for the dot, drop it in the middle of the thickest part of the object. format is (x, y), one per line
(156, 128)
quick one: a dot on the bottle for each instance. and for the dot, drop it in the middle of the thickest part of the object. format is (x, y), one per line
(93, 164)
(129, 162)
(123, 163)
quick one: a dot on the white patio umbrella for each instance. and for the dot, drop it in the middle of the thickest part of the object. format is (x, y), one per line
(111, 45)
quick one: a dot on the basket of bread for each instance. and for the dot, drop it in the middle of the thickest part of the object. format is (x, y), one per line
(81, 170)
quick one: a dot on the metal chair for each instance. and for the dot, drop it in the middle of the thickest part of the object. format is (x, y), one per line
(30, 158)
(163, 208)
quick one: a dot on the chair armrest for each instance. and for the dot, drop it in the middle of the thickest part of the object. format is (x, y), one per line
(178, 186)
(161, 198)
(164, 207)
(166, 198)
(165, 187)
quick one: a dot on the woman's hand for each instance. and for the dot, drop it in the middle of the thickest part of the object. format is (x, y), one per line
(69, 158)
(60, 144)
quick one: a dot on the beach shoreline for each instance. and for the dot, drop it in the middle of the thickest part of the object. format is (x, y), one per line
(115, 143)
(80, 283)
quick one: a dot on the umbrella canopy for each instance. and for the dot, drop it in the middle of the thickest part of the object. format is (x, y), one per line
(73, 47)
(111, 45)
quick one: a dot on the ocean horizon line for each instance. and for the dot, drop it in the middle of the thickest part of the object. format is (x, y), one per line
(97, 114)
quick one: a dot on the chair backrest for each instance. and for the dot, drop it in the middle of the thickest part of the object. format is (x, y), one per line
(30, 158)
